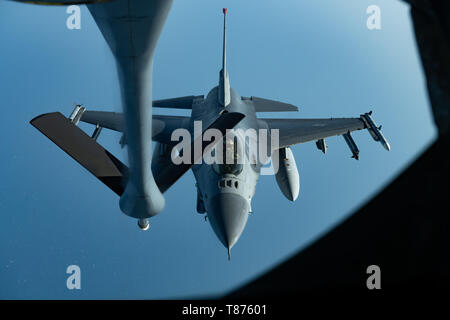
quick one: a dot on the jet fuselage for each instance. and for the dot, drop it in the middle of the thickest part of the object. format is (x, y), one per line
(226, 194)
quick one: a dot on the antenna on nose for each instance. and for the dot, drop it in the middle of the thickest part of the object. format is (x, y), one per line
(224, 82)
(229, 254)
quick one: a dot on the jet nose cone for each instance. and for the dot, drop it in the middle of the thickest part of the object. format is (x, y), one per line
(228, 213)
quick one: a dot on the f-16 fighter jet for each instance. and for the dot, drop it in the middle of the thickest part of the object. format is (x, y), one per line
(226, 158)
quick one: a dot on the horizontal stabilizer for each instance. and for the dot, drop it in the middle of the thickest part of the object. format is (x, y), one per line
(177, 103)
(266, 105)
(85, 150)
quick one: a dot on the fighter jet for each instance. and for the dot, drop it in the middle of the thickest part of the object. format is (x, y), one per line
(224, 188)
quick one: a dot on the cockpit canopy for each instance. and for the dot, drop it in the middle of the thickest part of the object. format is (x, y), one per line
(232, 157)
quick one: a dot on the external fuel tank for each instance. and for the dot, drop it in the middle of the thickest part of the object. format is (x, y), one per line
(287, 176)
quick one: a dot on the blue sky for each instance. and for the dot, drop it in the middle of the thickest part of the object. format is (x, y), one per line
(318, 55)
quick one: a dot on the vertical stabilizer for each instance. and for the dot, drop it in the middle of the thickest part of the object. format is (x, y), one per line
(224, 82)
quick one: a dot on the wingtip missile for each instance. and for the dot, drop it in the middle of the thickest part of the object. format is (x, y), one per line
(375, 131)
(386, 145)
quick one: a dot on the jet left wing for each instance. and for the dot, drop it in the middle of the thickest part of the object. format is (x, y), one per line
(162, 126)
(295, 131)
